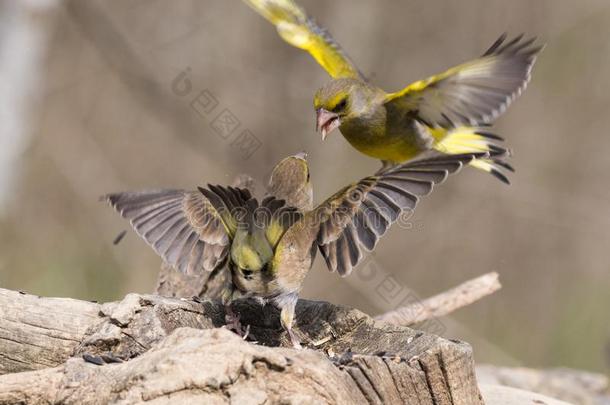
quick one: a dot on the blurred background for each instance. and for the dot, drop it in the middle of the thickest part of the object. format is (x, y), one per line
(103, 96)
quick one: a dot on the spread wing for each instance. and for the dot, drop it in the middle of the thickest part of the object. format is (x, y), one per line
(474, 93)
(181, 226)
(353, 220)
(296, 28)
(231, 204)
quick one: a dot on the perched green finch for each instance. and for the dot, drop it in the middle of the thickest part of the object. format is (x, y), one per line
(269, 246)
(447, 112)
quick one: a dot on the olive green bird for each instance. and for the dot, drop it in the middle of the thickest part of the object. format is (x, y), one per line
(448, 112)
(269, 247)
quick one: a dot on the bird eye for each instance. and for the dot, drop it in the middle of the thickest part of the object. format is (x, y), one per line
(341, 105)
(246, 273)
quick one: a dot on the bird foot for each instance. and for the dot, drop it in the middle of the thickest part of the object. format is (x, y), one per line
(296, 343)
(233, 324)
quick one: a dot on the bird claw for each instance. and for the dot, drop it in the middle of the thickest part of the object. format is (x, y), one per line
(296, 344)
(246, 332)
(233, 323)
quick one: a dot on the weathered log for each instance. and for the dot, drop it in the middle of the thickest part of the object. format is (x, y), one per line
(216, 366)
(41, 332)
(354, 358)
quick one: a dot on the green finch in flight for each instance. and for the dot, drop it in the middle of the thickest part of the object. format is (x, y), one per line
(448, 112)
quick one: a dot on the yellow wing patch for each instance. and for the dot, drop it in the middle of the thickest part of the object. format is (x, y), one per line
(423, 84)
(274, 232)
(300, 31)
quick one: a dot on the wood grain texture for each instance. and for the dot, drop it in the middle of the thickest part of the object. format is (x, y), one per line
(175, 350)
(40, 332)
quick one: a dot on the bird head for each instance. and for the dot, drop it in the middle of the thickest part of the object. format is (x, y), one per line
(340, 101)
(290, 181)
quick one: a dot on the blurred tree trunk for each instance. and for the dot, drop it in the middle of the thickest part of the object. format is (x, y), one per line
(23, 40)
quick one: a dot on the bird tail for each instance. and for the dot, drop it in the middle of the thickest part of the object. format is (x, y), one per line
(472, 139)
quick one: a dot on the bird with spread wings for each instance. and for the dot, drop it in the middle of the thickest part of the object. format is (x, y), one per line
(268, 247)
(447, 113)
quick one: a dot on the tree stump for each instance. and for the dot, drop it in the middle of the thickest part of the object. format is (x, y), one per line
(175, 350)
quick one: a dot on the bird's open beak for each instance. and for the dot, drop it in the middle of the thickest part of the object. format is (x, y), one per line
(326, 122)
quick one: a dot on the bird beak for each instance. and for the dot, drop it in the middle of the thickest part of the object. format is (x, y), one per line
(326, 122)
(301, 155)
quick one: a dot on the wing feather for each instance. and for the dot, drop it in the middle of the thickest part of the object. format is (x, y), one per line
(474, 93)
(181, 226)
(184, 255)
(384, 205)
(355, 254)
(366, 236)
(344, 265)
(296, 28)
(354, 219)
(378, 222)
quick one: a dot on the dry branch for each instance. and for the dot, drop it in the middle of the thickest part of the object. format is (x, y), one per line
(443, 303)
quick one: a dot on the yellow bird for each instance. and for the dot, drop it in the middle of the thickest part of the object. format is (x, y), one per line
(447, 113)
(269, 247)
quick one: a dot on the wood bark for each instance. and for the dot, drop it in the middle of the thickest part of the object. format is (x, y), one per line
(174, 351)
(40, 332)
